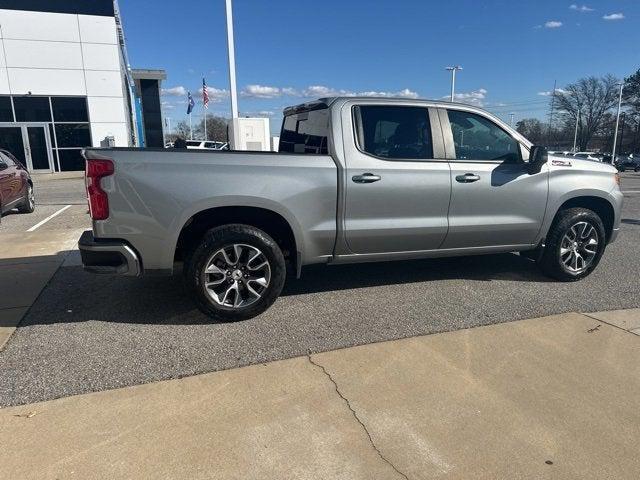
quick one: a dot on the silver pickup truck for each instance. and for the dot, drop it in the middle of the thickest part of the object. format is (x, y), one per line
(355, 180)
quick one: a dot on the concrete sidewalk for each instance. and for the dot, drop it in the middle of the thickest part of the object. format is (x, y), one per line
(27, 263)
(550, 398)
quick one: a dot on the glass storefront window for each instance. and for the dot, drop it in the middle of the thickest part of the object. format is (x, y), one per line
(69, 109)
(32, 109)
(6, 113)
(73, 135)
(71, 160)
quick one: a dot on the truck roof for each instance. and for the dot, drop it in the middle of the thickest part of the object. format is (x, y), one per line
(326, 102)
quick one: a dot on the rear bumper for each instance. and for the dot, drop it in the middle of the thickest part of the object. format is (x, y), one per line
(108, 256)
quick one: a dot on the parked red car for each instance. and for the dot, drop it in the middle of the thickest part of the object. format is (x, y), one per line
(16, 187)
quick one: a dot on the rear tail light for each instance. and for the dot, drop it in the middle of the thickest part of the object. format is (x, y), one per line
(98, 200)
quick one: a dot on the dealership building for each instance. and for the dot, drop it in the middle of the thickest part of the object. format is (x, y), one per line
(65, 84)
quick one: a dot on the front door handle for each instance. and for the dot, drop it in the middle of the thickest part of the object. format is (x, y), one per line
(468, 178)
(366, 178)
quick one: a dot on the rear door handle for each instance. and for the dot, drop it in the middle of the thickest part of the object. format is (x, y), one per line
(468, 178)
(366, 178)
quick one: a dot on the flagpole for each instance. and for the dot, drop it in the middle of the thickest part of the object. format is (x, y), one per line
(190, 129)
(232, 76)
(205, 105)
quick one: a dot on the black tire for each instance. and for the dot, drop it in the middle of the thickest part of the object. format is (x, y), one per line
(28, 205)
(225, 237)
(551, 262)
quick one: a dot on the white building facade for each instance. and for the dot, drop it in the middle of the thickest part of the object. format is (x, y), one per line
(63, 81)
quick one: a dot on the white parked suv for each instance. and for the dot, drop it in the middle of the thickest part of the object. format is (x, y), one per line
(202, 145)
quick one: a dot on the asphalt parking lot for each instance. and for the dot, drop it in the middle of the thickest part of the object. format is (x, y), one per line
(88, 333)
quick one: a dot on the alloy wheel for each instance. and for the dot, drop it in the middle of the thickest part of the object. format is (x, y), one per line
(579, 247)
(237, 275)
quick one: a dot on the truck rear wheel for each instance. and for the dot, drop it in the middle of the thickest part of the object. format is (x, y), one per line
(235, 273)
(574, 245)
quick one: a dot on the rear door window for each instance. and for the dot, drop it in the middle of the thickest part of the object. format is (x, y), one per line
(394, 132)
(305, 132)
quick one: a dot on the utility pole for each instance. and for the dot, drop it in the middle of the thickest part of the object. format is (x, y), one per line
(615, 134)
(232, 76)
(623, 117)
(511, 119)
(453, 71)
(575, 135)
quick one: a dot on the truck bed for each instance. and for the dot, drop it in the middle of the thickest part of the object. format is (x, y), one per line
(154, 193)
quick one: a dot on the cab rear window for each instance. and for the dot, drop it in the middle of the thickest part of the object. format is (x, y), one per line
(305, 132)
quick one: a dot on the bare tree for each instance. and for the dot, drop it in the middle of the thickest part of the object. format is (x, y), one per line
(593, 97)
(632, 92)
(217, 129)
(181, 130)
(532, 129)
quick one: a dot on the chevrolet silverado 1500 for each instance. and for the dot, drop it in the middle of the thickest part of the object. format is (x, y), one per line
(355, 180)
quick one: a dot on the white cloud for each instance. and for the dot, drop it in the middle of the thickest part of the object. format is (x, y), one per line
(614, 16)
(261, 91)
(323, 91)
(404, 93)
(559, 91)
(319, 91)
(553, 24)
(178, 91)
(580, 8)
(475, 97)
(167, 106)
(215, 94)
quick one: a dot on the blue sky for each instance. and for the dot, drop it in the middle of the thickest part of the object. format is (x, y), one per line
(289, 51)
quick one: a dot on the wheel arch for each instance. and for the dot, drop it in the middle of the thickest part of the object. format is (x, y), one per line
(267, 220)
(599, 205)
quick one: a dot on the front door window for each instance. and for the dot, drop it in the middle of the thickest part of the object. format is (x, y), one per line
(477, 138)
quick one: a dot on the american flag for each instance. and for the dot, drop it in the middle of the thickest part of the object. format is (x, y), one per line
(205, 94)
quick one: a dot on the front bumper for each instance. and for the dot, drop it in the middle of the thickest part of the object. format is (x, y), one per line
(108, 256)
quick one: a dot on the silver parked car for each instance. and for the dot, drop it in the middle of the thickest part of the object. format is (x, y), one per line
(355, 180)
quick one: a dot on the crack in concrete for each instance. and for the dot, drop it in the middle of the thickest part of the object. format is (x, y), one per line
(355, 415)
(605, 322)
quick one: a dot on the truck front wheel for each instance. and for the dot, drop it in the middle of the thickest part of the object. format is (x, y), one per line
(575, 243)
(235, 273)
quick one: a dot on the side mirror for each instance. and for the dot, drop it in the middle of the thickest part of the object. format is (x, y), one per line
(537, 158)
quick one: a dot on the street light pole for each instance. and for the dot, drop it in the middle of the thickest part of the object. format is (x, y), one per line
(511, 119)
(453, 71)
(232, 74)
(575, 135)
(615, 134)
